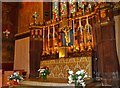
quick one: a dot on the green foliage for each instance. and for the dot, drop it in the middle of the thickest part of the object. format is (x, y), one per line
(44, 72)
(16, 76)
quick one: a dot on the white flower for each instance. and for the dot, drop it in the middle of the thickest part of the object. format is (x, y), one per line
(78, 73)
(79, 77)
(17, 80)
(70, 77)
(16, 73)
(10, 76)
(38, 69)
(83, 84)
(44, 74)
(70, 81)
(21, 78)
(42, 70)
(82, 71)
(80, 81)
(70, 72)
(85, 76)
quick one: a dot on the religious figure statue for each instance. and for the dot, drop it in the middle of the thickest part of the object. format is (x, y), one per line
(66, 31)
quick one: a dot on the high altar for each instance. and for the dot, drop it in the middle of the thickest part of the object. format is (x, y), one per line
(72, 40)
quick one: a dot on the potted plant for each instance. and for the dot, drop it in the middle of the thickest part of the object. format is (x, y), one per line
(77, 78)
(44, 72)
(16, 78)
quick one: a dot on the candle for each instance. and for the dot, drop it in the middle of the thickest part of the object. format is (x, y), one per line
(53, 31)
(73, 33)
(48, 36)
(43, 39)
(80, 26)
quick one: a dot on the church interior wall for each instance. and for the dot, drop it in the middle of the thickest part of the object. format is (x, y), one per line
(26, 10)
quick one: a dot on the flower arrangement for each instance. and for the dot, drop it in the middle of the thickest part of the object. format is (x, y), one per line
(43, 72)
(15, 77)
(77, 78)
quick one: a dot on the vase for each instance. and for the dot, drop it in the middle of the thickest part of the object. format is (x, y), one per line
(76, 84)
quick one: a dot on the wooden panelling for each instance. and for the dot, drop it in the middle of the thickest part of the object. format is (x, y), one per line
(7, 66)
(47, 11)
(35, 57)
(106, 49)
(10, 23)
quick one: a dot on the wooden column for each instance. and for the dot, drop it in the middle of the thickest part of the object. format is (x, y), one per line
(35, 56)
(47, 11)
(106, 48)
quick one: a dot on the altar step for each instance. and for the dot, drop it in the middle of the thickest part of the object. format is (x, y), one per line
(31, 83)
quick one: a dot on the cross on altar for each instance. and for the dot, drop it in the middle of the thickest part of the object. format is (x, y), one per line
(6, 32)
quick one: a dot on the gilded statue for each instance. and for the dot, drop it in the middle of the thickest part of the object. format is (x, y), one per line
(66, 31)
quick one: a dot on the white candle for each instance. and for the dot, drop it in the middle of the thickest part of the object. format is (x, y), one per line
(43, 40)
(48, 36)
(73, 27)
(53, 31)
(73, 33)
(80, 26)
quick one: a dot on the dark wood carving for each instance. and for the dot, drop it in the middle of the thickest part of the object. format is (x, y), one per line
(9, 22)
(47, 11)
(35, 57)
(108, 65)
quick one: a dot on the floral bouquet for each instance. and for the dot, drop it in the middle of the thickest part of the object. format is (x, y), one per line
(16, 78)
(77, 78)
(43, 72)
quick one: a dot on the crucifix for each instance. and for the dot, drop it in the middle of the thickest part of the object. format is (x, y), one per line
(35, 16)
(6, 32)
(66, 31)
